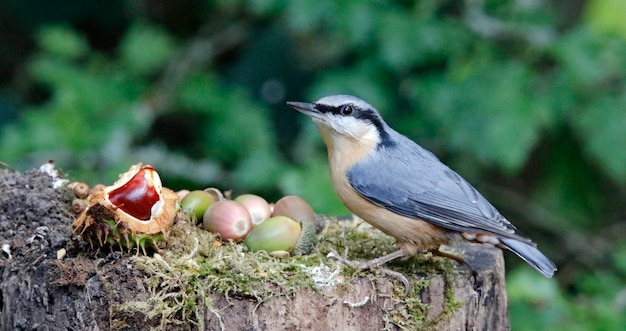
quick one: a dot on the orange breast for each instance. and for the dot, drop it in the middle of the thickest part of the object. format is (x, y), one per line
(412, 234)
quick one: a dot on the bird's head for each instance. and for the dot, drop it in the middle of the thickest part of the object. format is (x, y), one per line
(341, 117)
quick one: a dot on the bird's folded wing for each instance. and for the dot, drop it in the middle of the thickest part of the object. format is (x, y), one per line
(420, 186)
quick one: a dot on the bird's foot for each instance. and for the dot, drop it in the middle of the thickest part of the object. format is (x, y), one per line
(334, 256)
(375, 263)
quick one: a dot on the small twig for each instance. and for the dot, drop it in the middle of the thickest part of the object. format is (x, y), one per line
(357, 304)
(219, 317)
(6, 165)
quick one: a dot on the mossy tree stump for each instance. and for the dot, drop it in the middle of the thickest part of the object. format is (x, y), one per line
(365, 303)
(193, 284)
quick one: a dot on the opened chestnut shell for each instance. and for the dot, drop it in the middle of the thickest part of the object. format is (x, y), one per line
(136, 208)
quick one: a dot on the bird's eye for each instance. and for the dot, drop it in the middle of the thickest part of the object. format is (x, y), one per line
(347, 109)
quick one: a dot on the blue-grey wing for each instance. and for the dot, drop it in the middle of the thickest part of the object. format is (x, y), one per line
(418, 185)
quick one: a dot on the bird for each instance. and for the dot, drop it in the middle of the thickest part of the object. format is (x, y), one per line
(404, 190)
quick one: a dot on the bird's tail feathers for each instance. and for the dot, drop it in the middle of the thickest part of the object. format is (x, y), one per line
(530, 254)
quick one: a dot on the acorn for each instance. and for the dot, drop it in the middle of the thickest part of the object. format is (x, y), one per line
(278, 233)
(298, 209)
(229, 219)
(295, 207)
(133, 212)
(258, 207)
(196, 203)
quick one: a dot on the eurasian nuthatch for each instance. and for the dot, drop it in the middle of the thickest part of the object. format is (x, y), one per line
(404, 190)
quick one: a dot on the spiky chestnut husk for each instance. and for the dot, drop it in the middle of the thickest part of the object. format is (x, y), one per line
(135, 211)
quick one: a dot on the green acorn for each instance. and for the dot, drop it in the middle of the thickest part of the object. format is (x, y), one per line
(278, 233)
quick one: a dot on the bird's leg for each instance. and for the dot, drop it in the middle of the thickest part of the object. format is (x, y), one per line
(457, 258)
(378, 262)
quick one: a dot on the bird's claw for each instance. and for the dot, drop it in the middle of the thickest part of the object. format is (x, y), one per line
(399, 277)
(365, 266)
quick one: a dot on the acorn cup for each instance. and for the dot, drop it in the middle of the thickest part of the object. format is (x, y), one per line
(135, 211)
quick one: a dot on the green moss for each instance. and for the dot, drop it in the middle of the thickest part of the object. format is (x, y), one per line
(196, 264)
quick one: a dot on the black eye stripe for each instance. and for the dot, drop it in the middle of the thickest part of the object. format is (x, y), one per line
(345, 110)
(351, 110)
(325, 108)
(366, 114)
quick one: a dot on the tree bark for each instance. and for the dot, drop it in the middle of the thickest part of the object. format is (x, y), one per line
(39, 291)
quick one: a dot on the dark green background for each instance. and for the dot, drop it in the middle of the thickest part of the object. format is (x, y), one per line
(526, 99)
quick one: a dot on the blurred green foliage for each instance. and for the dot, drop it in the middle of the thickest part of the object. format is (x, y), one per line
(526, 99)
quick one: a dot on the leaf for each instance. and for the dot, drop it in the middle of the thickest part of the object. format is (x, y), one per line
(606, 16)
(266, 7)
(589, 59)
(527, 285)
(199, 93)
(490, 113)
(619, 256)
(303, 15)
(601, 127)
(146, 48)
(62, 41)
(567, 188)
(531, 294)
(405, 40)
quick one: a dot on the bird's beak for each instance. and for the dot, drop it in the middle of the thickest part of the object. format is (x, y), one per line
(305, 108)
